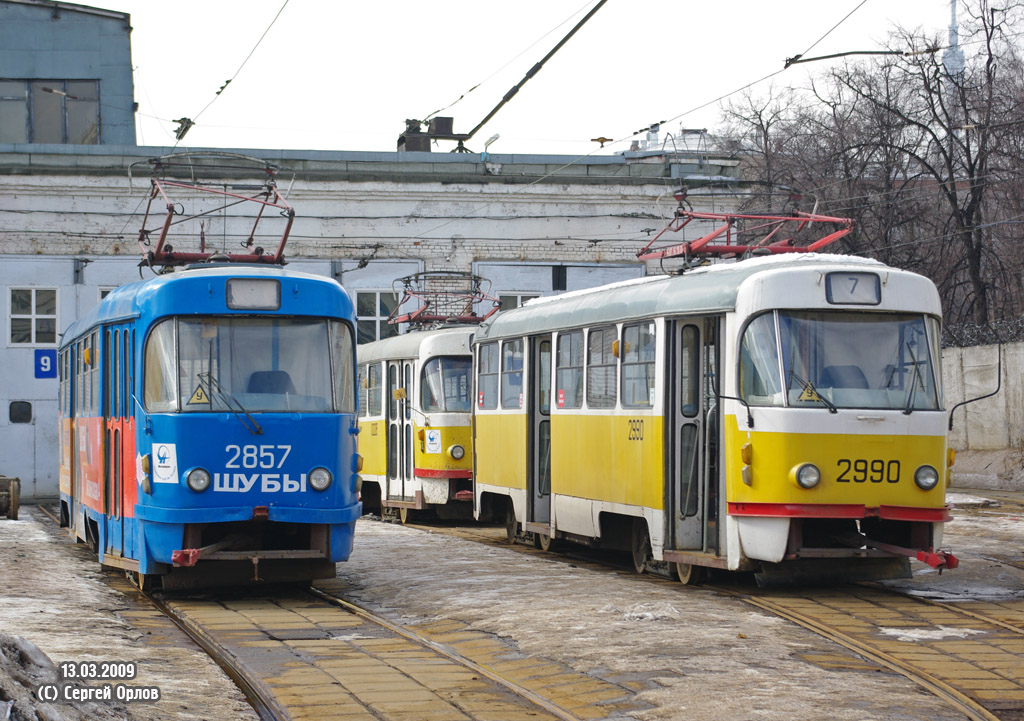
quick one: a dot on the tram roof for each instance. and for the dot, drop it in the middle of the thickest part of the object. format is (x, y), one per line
(710, 289)
(450, 340)
(130, 301)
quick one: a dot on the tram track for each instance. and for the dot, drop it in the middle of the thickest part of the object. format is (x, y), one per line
(317, 639)
(970, 659)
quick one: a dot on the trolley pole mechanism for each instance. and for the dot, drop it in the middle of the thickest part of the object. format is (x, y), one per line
(208, 203)
(738, 235)
(444, 297)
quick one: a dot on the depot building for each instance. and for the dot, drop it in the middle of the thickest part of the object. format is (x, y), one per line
(75, 190)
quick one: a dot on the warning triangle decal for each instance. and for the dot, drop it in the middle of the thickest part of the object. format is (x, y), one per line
(808, 394)
(199, 397)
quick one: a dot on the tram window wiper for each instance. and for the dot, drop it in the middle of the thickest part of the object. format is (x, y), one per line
(914, 382)
(811, 393)
(229, 400)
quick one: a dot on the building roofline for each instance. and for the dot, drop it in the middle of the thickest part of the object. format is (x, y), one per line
(50, 159)
(72, 7)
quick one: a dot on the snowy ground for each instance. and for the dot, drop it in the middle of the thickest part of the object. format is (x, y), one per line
(699, 654)
(703, 655)
(54, 595)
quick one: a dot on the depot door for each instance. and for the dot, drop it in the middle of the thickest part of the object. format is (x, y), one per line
(539, 411)
(685, 413)
(399, 388)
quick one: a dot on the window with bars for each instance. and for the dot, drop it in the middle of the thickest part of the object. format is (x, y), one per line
(50, 111)
(33, 316)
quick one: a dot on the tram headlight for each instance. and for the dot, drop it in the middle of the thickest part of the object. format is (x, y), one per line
(198, 480)
(320, 479)
(808, 475)
(926, 478)
(457, 452)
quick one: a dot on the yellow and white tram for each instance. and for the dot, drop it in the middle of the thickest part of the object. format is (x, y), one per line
(415, 413)
(780, 414)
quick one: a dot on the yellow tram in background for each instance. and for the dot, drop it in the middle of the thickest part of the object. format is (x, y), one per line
(779, 414)
(415, 413)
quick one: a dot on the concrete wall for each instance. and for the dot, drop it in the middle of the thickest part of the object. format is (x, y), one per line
(70, 218)
(988, 435)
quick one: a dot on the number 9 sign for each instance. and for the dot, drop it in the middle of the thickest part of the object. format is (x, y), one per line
(46, 363)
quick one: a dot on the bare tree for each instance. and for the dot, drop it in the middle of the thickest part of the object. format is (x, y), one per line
(924, 155)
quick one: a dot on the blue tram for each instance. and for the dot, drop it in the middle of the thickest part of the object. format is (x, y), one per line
(208, 427)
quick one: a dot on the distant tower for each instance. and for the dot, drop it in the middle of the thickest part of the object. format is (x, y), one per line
(953, 58)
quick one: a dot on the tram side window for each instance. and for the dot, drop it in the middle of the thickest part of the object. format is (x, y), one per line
(487, 380)
(374, 389)
(361, 382)
(512, 374)
(159, 375)
(344, 365)
(759, 363)
(77, 371)
(569, 370)
(94, 369)
(638, 344)
(62, 401)
(601, 379)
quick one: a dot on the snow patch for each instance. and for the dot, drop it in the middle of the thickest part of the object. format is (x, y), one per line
(931, 633)
(645, 612)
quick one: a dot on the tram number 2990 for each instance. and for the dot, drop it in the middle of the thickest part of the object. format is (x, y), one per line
(636, 429)
(860, 470)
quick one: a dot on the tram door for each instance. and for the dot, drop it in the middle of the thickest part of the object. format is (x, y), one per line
(111, 433)
(539, 380)
(400, 447)
(686, 414)
(115, 410)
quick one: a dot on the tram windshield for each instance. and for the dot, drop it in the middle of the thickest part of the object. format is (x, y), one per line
(218, 364)
(833, 360)
(447, 384)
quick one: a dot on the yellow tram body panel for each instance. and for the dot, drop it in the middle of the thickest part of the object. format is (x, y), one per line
(501, 449)
(876, 470)
(611, 458)
(440, 461)
(373, 446)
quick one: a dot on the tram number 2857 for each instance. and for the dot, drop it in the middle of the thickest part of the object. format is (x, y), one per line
(860, 470)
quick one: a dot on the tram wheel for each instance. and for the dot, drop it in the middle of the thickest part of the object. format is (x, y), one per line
(641, 545)
(405, 515)
(545, 542)
(688, 574)
(511, 525)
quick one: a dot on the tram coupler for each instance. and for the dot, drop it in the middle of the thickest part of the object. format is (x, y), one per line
(185, 557)
(939, 560)
(190, 556)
